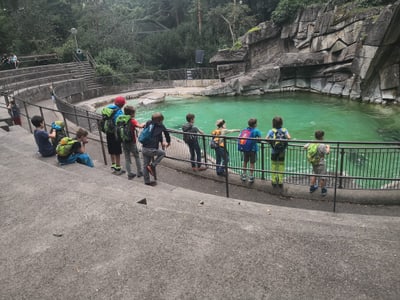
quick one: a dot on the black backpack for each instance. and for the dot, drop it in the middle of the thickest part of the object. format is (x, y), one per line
(187, 137)
(279, 144)
(107, 123)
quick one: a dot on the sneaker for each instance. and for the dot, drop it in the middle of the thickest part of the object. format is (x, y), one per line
(151, 183)
(201, 168)
(119, 172)
(313, 188)
(324, 191)
(131, 176)
(243, 177)
(251, 179)
(113, 168)
(150, 169)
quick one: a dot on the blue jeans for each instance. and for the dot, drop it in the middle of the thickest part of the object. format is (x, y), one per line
(82, 158)
(148, 155)
(195, 153)
(221, 157)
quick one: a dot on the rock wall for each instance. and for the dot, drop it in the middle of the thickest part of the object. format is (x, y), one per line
(336, 50)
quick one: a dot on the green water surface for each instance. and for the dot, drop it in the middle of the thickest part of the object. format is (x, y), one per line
(341, 119)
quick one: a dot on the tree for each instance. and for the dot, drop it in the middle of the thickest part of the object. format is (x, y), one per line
(235, 16)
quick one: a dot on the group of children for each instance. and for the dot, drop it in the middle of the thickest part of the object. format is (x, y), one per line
(151, 152)
(68, 150)
(156, 132)
(277, 138)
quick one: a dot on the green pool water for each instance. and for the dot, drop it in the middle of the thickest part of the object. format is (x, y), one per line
(341, 119)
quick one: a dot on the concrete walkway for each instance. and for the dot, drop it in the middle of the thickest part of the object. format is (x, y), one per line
(75, 232)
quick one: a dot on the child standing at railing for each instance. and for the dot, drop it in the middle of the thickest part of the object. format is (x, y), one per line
(221, 153)
(249, 148)
(316, 156)
(278, 136)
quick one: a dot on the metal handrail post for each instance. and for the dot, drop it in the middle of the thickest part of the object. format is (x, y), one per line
(65, 123)
(262, 161)
(204, 148)
(102, 142)
(226, 168)
(342, 152)
(336, 176)
(27, 117)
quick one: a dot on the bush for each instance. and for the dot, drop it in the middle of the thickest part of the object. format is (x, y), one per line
(119, 60)
(64, 52)
(286, 11)
(104, 74)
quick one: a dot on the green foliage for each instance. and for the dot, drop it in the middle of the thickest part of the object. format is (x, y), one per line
(104, 74)
(235, 18)
(164, 50)
(109, 29)
(237, 45)
(286, 11)
(65, 51)
(118, 59)
(254, 29)
(369, 3)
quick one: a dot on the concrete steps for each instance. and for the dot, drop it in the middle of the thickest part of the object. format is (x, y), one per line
(75, 232)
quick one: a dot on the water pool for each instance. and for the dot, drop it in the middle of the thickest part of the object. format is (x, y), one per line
(341, 119)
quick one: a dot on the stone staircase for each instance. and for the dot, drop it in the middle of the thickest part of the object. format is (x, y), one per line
(22, 78)
(87, 73)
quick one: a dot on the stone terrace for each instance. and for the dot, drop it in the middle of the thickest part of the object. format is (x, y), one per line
(75, 232)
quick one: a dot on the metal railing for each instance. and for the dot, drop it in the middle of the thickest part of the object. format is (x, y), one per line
(164, 77)
(350, 165)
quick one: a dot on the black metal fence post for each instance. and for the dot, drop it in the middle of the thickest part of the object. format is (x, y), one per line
(336, 175)
(226, 158)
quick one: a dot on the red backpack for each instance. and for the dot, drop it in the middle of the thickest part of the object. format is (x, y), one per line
(244, 143)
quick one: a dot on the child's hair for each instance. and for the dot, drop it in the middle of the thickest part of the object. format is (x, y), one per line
(277, 122)
(252, 122)
(129, 110)
(319, 134)
(220, 123)
(36, 120)
(157, 117)
(189, 117)
(81, 133)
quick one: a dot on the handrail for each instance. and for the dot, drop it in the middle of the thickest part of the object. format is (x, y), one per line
(351, 165)
(91, 59)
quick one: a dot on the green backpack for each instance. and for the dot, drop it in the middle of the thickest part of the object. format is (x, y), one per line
(64, 148)
(124, 128)
(107, 123)
(313, 156)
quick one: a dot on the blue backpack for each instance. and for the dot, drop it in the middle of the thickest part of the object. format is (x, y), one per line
(146, 134)
(244, 143)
